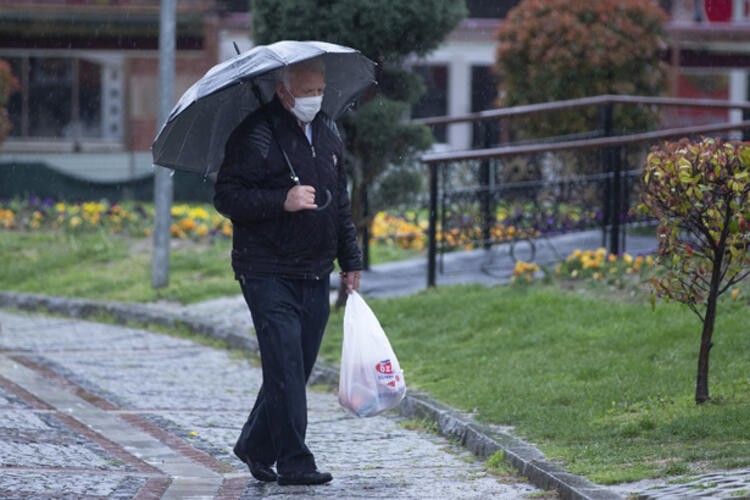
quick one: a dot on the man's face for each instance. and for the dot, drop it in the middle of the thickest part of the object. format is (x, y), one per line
(302, 83)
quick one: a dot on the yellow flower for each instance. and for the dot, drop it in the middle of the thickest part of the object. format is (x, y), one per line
(187, 224)
(93, 207)
(198, 213)
(179, 210)
(75, 221)
(735, 293)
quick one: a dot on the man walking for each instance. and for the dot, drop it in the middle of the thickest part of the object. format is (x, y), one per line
(283, 186)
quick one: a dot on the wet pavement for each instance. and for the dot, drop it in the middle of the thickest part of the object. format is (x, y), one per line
(91, 410)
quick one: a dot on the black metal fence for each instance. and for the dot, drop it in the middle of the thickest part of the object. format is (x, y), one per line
(477, 200)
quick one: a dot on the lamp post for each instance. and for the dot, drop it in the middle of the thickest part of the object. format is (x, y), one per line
(163, 186)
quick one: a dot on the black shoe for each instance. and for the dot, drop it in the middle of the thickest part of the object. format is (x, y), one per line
(313, 477)
(262, 472)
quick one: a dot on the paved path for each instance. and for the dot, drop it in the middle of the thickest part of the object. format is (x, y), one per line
(487, 267)
(102, 411)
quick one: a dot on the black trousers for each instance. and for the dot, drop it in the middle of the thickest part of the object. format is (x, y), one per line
(290, 317)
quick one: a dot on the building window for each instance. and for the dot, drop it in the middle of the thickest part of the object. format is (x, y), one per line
(490, 9)
(65, 98)
(434, 102)
(484, 83)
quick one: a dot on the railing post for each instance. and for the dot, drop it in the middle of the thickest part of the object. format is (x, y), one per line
(432, 228)
(610, 197)
(485, 199)
(617, 205)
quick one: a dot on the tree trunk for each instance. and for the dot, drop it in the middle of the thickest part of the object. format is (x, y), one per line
(701, 384)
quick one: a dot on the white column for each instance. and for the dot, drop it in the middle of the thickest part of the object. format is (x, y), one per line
(459, 102)
(737, 93)
(738, 10)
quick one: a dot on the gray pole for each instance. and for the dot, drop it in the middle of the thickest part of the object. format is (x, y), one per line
(163, 177)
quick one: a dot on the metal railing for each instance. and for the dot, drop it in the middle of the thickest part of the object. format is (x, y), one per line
(604, 199)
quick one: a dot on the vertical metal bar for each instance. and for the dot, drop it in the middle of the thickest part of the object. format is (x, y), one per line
(75, 97)
(163, 186)
(605, 124)
(488, 219)
(617, 204)
(25, 91)
(432, 227)
(442, 182)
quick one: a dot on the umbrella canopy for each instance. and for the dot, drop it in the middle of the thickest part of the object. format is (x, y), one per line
(197, 129)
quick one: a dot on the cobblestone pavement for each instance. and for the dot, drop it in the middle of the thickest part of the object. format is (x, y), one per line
(102, 411)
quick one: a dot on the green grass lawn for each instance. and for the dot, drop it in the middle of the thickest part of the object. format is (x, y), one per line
(604, 387)
(599, 381)
(104, 267)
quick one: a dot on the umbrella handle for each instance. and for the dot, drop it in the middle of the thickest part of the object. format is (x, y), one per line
(329, 197)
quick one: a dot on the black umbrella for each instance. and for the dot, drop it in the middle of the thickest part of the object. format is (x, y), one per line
(196, 131)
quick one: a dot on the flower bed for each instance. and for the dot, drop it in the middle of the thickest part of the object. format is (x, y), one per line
(602, 266)
(131, 219)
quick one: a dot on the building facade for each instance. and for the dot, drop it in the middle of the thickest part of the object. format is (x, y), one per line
(708, 56)
(88, 70)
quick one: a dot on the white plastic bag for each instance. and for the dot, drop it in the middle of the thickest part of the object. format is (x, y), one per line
(371, 380)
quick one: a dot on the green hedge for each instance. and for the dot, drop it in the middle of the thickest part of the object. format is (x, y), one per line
(36, 179)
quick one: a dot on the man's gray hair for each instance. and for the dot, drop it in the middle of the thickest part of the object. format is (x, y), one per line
(315, 65)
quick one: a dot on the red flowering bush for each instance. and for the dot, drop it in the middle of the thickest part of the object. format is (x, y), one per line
(551, 50)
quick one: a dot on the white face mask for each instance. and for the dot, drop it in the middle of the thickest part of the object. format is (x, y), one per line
(305, 108)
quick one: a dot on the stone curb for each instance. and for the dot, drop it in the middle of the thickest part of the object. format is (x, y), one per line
(477, 438)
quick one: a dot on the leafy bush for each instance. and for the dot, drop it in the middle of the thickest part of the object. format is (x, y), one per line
(551, 50)
(700, 193)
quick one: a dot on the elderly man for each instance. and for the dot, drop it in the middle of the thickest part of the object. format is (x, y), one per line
(291, 221)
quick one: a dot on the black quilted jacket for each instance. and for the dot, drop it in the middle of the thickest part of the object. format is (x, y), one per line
(251, 189)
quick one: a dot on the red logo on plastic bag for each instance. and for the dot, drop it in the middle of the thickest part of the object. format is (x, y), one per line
(384, 366)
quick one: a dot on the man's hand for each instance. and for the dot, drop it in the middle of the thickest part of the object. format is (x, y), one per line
(300, 198)
(350, 280)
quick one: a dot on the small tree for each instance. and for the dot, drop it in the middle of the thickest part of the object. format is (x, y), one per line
(8, 85)
(377, 136)
(558, 49)
(700, 193)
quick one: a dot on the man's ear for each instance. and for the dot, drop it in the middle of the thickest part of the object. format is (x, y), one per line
(286, 98)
